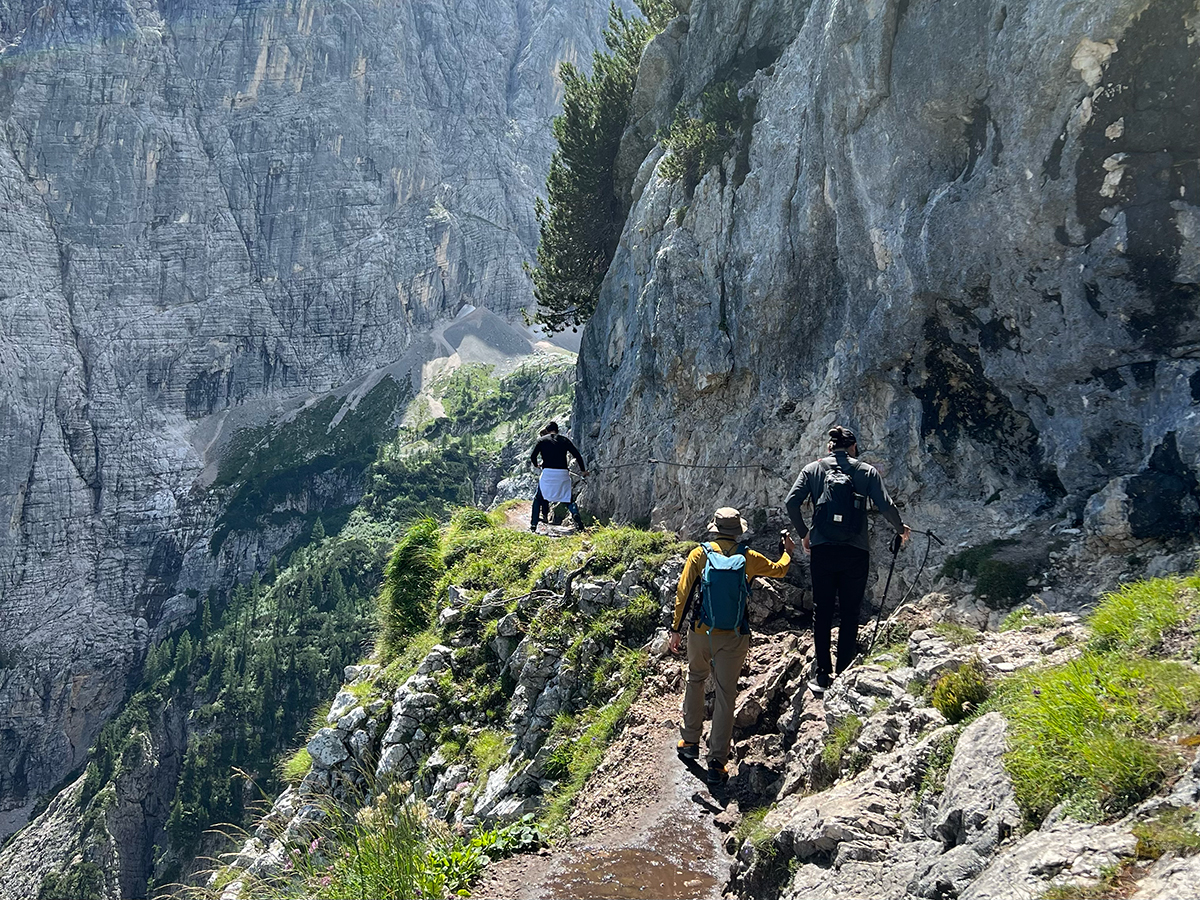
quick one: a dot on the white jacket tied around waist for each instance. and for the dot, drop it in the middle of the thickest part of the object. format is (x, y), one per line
(555, 485)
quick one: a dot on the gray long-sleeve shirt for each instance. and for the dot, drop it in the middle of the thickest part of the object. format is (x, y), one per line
(867, 481)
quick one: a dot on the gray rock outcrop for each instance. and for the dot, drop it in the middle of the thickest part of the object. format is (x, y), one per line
(210, 209)
(968, 230)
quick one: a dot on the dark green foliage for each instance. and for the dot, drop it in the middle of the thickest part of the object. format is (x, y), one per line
(958, 694)
(581, 221)
(998, 577)
(696, 144)
(408, 586)
(427, 483)
(80, 881)
(265, 466)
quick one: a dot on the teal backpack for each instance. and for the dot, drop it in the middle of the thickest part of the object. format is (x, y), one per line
(724, 589)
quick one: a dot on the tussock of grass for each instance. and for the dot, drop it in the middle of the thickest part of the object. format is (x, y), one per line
(405, 663)
(892, 656)
(958, 694)
(1136, 617)
(750, 828)
(1024, 615)
(937, 765)
(957, 635)
(836, 755)
(293, 769)
(1084, 731)
(488, 749)
(408, 586)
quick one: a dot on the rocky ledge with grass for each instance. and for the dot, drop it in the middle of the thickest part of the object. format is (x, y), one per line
(1055, 754)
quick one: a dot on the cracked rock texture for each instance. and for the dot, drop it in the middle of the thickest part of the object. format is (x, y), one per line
(208, 209)
(968, 230)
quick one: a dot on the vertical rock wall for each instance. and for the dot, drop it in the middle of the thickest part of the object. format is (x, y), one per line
(210, 208)
(966, 229)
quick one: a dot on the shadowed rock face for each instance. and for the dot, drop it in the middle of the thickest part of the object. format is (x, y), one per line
(205, 205)
(967, 230)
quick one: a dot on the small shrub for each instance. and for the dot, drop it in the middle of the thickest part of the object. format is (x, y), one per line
(1176, 831)
(523, 836)
(695, 145)
(958, 694)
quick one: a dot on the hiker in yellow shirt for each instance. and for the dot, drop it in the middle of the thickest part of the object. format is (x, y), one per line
(720, 651)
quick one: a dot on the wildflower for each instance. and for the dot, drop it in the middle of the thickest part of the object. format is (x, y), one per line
(312, 848)
(326, 880)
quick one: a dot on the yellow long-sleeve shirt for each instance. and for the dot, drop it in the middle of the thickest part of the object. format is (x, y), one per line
(757, 566)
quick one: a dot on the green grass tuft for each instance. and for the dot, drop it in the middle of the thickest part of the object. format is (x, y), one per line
(958, 694)
(293, 769)
(408, 587)
(1084, 731)
(1176, 831)
(488, 749)
(578, 758)
(957, 635)
(836, 755)
(1024, 615)
(1137, 616)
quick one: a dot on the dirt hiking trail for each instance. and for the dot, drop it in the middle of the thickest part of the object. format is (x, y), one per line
(643, 825)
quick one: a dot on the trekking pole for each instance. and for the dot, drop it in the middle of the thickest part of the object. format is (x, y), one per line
(897, 542)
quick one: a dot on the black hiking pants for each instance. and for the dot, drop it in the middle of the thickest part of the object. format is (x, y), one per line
(542, 505)
(839, 580)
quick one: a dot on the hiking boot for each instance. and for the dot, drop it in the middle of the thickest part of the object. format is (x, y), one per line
(687, 750)
(717, 773)
(820, 683)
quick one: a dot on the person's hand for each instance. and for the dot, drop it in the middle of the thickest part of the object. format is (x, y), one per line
(673, 646)
(905, 535)
(789, 546)
(807, 544)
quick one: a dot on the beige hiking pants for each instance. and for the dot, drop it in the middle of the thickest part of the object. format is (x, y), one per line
(722, 654)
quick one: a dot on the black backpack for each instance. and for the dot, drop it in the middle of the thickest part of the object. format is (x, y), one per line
(840, 508)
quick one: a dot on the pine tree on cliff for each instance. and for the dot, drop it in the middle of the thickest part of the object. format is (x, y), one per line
(580, 222)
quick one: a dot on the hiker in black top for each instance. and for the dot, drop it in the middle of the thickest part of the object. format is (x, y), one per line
(840, 558)
(554, 485)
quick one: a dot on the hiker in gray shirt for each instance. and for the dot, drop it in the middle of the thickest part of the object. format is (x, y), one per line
(839, 486)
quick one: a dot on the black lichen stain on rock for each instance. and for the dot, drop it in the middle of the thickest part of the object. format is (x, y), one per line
(959, 402)
(1165, 498)
(1150, 105)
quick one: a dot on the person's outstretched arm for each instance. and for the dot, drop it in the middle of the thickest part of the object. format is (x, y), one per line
(759, 566)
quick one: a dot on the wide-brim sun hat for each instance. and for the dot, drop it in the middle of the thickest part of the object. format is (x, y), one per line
(728, 521)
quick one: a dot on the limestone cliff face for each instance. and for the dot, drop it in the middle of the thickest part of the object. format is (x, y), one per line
(969, 230)
(208, 209)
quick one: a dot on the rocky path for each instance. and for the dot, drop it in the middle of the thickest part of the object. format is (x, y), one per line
(643, 826)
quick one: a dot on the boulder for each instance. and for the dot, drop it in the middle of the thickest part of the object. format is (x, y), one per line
(327, 749)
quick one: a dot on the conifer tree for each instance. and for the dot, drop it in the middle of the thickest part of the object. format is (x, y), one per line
(581, 220)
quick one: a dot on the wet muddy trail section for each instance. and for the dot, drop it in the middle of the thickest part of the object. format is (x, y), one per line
(643, 826)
